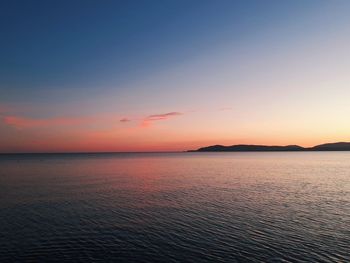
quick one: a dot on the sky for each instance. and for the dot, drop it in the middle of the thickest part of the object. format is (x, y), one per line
(90, 76)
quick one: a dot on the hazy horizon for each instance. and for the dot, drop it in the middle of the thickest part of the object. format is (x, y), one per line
(165, 151)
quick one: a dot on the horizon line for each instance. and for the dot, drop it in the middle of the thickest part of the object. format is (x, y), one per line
(180, 151)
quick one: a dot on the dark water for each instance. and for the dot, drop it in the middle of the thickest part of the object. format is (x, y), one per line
(184, 207)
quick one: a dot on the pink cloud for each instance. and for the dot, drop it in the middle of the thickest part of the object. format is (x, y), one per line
(163, 116)
(158, 117)
(124, 120)
(28, 122)
(22, 122)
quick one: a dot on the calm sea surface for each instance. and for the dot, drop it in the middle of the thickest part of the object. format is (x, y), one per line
(180, 207)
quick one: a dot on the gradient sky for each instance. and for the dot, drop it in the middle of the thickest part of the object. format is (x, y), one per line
(172, 75)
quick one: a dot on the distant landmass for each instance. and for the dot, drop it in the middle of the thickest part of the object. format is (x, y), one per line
(338, 146)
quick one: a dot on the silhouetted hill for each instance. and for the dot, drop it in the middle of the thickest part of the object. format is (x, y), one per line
(249, 148)
(340, 146)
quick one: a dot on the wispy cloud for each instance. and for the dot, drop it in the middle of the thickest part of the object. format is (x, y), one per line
(163, 116)
(30, 122)
(125, 120)
(147, 121)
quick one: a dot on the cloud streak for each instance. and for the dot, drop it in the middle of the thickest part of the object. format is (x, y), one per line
(125, 120)
(31, 123)
(147, 121)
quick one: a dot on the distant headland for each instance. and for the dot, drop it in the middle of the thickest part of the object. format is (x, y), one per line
(338, 146)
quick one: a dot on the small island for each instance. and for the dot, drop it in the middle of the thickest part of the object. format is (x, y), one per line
(338, 146)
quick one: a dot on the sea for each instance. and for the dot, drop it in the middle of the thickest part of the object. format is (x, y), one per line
(175, 207)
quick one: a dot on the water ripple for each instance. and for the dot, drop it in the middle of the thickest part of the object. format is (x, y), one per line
(256, 207)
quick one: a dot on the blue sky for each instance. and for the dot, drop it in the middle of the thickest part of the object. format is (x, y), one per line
(84, 44)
